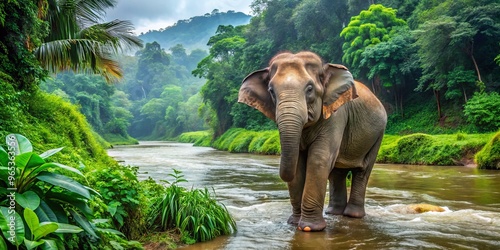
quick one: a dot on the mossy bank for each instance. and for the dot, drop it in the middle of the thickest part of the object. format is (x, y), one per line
(418, 148)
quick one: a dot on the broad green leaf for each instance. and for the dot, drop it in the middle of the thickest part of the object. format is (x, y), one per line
(28, 160)
(64, 182)
(68, 229)
(97, 221)
(4, 173)
(3, 245)
(44, 229)
(28, 199)
(112, 208)
(31, 219)
(12, 218)
(58, 210)
(49, 245)
(74, 200)
(19, 143)
(93, 191)
(84, 223)
(4, 157)
(32, 244)
(50, 152)
(45, 213)
(110, 230)
(57, 165)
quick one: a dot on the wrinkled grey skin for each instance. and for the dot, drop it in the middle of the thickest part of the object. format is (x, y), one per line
(329, 125)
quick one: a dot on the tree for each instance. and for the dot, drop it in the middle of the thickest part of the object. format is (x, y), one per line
(395, 64)
(78, 40)
(223, 78)
(370, 27)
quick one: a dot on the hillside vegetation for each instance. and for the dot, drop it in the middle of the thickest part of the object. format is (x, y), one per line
(194, 33)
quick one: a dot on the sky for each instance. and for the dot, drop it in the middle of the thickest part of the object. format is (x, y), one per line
(155, 14)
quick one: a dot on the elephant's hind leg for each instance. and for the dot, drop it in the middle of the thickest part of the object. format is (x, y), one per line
(338, 191)
(356, 206)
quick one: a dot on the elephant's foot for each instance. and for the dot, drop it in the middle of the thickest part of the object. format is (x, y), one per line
(335, 210)
(313, 226)
(355, 211)
(294, 219)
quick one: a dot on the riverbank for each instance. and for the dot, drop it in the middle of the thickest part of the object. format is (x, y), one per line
(424, 149)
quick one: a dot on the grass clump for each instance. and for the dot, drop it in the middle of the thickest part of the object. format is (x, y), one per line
(489, 156)
(453, 149)
(241, 141)
(199, 138)
(225, 140)
(257, 144)
(116, 139)
(195, 213)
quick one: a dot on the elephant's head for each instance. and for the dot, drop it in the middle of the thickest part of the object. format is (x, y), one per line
(296, 91)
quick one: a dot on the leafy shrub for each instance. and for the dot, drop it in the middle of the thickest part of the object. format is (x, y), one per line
(47, 200)
(197, 215)
(489, 156)
(123, 195)
(256, 145)
(482, 110)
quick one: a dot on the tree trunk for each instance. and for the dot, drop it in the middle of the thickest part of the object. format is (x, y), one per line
(438, 102)
(471, 54)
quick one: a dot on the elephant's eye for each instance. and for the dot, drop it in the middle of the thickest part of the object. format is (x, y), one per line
(309, 89)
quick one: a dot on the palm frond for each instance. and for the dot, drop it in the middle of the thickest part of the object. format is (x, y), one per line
(79, 55)
(118, 33)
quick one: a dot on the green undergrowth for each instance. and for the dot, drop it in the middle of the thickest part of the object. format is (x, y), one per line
(445, 149)
(199, 138)
(240, 140)
(419, 148)
(422, 117)
(489, 156)
(116, 139)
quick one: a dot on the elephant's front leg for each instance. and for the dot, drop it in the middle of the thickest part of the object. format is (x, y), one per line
(296, 188)
(313, 198)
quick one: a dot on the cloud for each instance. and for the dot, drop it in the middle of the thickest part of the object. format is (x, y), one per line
(155, 14)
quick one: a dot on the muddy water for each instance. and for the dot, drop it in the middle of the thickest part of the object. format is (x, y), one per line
(251, 189)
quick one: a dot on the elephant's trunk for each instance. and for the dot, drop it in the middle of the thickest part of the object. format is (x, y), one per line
(290, 127)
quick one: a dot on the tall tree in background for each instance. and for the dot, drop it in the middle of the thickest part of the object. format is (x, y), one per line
(395, 64)
(369, 28)
(78, 40)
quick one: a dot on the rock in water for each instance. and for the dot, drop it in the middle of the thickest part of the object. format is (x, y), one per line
(423, 208)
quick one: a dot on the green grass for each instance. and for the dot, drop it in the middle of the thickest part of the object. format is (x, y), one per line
(199, 138)
(450, 149)
(115, 139)
(196, 213)
(489, 156)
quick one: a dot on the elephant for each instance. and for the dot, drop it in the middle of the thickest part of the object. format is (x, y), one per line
(329, 124)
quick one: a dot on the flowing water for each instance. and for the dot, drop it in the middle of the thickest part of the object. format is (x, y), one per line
(250, 187)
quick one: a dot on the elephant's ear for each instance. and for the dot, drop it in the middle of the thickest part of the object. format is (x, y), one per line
(339, 88)
(254, 92)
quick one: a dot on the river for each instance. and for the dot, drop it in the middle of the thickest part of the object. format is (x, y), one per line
(250, 187)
